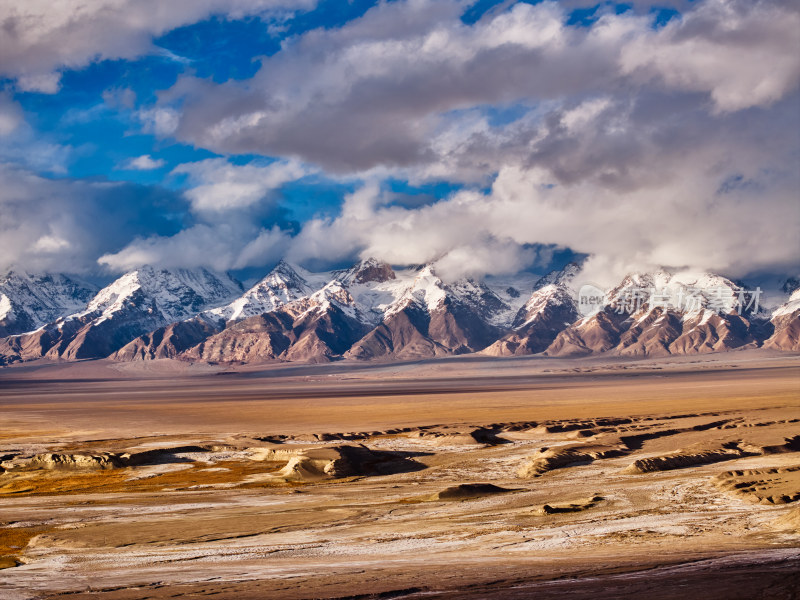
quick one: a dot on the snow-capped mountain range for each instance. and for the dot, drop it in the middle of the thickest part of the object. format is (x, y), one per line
(373, 311)
(137, 302)
(660, 313)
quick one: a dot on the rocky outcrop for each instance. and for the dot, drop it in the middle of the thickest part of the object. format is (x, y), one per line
(600, 332)
(370, 270)
(61, 461)
(546, 314)
(688, 458)
(467, 491)
(401, 335)
(548, 459)
(255, 339)
(320, 336)
(317, 335)
(786, 325)
(333, 462)
(167, 342)
(417, 332)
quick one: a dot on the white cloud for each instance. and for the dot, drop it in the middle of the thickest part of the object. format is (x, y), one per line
(224, 198)
(220, 246)
(10, 115)
(64, 225)
(160, 121)
(22, 145)
(742, 53)
(143, 163)
(49, 244)
(483, 256)
(722, 199)
(117, 97)
(45, 83)
(218, 185)
(380, 92)
(40, 37)
(673, 146)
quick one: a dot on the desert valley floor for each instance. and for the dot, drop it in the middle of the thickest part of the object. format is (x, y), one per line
(457, 478)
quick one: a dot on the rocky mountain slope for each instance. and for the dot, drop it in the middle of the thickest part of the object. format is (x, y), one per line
(656, 314)
(368, 311)
(138, 302)
(374, 312)
(786, 325)
(547, 312)
(28, 301)
(429, 318)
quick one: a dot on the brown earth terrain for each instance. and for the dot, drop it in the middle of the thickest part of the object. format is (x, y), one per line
(456, 478)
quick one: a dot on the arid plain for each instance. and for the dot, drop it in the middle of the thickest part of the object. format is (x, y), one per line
(456, 478)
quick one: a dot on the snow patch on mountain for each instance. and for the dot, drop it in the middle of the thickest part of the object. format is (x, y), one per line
(790, 307)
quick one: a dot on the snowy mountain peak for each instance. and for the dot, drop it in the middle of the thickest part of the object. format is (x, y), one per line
(287, 271)
(284, 284)
(553, 292)
(428, 290)
(286, 277)
(790, 285)
(176, 294)
(372, 310)
(561, 277)
(550, 295)
(691, 294)
(333, 294)
(369, 270)
(28, 301)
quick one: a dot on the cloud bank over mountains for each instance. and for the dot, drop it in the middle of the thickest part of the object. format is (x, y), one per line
(639, 142)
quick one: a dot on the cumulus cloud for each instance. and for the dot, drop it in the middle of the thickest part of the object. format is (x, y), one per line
(643, 146)
(40, 37)
(487, 255)
(446, 233)
(64, 225)
(724, 200)
(143, 163)
(159, 121)
(218, 185)
(221, 246)
(372, 92)
(22, 145)
(10, 115)
(683, 153)
(722, 48)
(393, 88)
(227, 201)
(45, 83)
